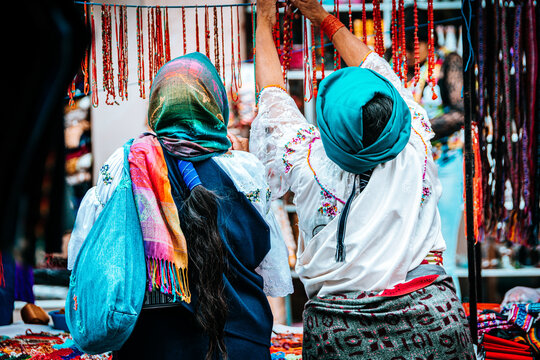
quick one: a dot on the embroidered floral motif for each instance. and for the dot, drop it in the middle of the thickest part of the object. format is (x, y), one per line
(425, 124)
(426, 191)
(329, 206)
(300, 136)
(268, 194)
(107, 177)
(254, 196)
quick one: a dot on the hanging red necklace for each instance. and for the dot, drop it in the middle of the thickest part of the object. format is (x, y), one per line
(234, 81)
(206, 32)
(150, 24)
(160, 53)
(108, 71)
(377, 20)
(431, 49)
(167, 38)
(222, 45)
(197, 29)
(287, 42)
(84, 64)
(350, 17)
(416, 46)
(95, 98)
(184, 30)
(216, 42)
(364, 22)
(120, 25)
(403, 51)
(395, 43)
(239, 48)
(140, 54)
(313, 61)
(322, 50)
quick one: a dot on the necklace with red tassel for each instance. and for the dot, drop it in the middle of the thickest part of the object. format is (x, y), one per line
(234, 81)
(95, 98)
(416, 46)
(108, 70)
(431, 49)
(84, 64)
(140, 53)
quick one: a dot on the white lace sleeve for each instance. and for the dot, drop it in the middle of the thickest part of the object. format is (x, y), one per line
(94, 201)
(279, 135)
(247, 173)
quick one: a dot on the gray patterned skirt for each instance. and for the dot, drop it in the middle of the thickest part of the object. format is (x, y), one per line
(429, 323)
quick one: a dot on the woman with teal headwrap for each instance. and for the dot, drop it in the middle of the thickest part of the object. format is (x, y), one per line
(366, 190)
(213, 248)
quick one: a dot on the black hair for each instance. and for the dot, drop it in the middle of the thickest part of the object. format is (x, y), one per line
(375, 116)
(208, 257)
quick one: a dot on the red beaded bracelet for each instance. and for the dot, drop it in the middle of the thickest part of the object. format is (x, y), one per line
(330, 25)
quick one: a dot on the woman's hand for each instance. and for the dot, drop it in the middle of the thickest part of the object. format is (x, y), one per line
(238, 143)
(311, 9)
(266, 13)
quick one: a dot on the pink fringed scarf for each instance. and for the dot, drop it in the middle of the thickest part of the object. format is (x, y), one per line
(164, 242)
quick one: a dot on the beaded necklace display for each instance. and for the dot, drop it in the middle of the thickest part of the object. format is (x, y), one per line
(150, 25)
(159, 45)
(239, 48)
(140, 54)
(184, 46)
(308, 84)
(416, 46)
(197, 42)
(167, 41)
(287, 42)
(431, 49)
(377, 22)
(395, 44)
(234, 81)
(350, 16)
(85, 61)
(364, 21)
(222, 46)
(120, 23)
(322, 51)
(95, 98)
(313, 61)
(206, 32)
(217, 60)
(402, 44)
(108, 71)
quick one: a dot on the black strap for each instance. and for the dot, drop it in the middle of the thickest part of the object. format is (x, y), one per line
(340, 247)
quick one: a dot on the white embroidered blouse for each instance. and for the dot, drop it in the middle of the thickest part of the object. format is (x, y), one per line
(247, 173)
(393, 223)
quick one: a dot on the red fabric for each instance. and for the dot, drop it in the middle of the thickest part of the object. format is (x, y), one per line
(495, 340)
(483, 306)
(501, 356)
(410, 286)
(506, 350)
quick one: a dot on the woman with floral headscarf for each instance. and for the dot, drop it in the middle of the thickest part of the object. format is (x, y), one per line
(201, 207)
(366, 192)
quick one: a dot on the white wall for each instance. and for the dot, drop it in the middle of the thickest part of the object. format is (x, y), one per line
(113, 125)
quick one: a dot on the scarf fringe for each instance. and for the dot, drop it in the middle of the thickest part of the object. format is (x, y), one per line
(166, 278)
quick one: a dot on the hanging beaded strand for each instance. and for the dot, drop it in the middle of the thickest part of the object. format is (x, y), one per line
(167, 42)
(222, 46)
(253, 29)
(119, 58)
(322, 50)
(140, 53)
(350, 17)
(336, 14)
(160, 45)
(197, 41)
(377, 19)
(95, 98)
(287, 43)
(234, 81)
(308, 84)
(184, 46)
(217, 60)
(206, 32)
(395, 44)
(150, 25)
(108, 70)
(364, 22)
(84, 65)
(403, 50)
(125, 52)
(431, 49)
(416, 46)
(238, 42)
(313, 61)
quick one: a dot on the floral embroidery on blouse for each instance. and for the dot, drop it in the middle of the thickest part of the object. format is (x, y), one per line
(254, 196)
(268, 194)
(107, 177)
(298, 138)
(329, 206)
(425, 124)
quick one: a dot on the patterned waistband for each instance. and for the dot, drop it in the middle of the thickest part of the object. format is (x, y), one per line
(433, 258)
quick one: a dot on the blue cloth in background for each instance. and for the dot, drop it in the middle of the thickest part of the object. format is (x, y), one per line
(7, 292)
(450, 168)
(24, 283)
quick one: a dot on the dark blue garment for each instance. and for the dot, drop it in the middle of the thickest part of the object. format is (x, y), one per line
(7, 289)
(247, 240)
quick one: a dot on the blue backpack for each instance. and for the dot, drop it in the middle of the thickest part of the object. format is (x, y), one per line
(108, 281)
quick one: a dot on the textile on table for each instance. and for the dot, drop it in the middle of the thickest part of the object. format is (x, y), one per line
(340, 100)
(188, 108)
(165, 245)
(428, 323)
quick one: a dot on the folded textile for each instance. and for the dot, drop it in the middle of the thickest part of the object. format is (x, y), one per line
(524, 315)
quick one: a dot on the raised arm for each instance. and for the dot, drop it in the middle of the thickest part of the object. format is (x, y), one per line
(268, 67)
(351, 49)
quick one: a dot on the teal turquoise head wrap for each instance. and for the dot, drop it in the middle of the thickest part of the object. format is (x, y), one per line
(188, 108)
(339, 116)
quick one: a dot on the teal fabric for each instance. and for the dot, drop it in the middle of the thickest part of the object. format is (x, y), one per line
(340, 100)
(188, 108)
(107, 284)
